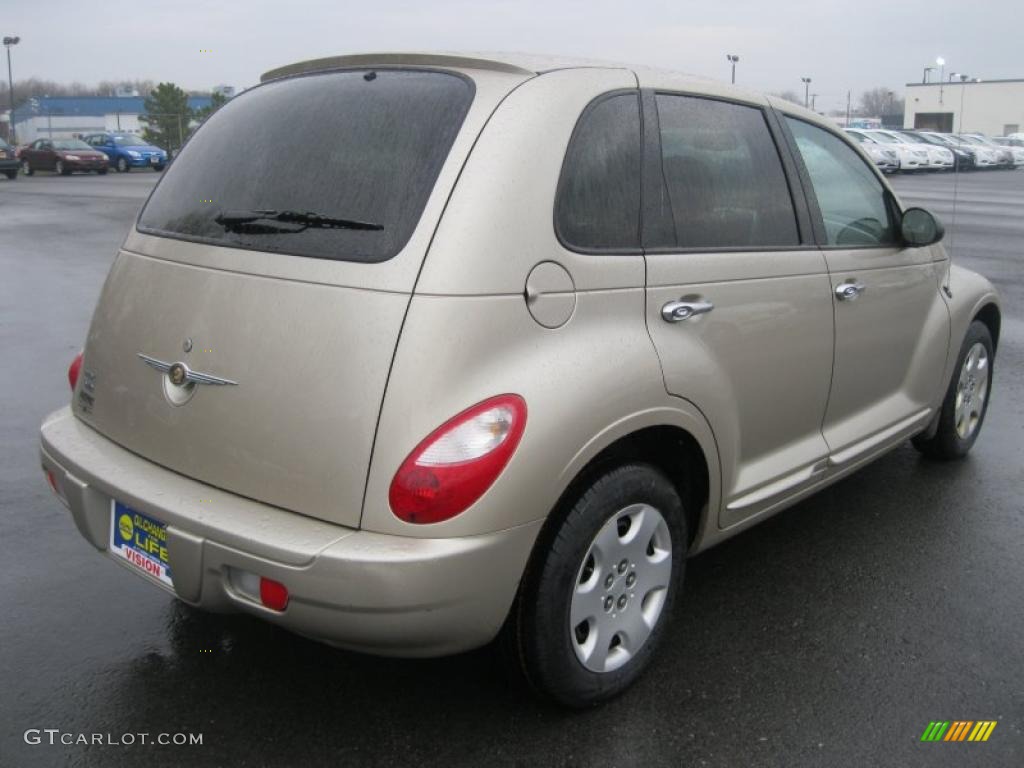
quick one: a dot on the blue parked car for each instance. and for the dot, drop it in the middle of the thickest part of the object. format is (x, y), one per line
(127, 151)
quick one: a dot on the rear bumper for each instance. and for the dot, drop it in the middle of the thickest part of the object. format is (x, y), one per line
(85, 165)
(143, 162)
(387, 595)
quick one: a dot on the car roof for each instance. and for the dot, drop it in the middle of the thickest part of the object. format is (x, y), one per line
(529, 65)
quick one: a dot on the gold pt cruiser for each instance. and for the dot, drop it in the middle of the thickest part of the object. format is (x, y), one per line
(407, 352)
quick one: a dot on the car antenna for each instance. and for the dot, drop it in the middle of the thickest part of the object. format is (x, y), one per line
(956, 185)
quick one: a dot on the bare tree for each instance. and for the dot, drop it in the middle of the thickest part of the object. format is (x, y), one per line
(880, 101)
(792, 96)
(34, 86)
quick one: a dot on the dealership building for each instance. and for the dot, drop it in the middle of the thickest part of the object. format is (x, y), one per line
(992, 107)
(63, 118)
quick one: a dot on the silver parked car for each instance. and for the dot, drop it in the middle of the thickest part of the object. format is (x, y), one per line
(503, 344)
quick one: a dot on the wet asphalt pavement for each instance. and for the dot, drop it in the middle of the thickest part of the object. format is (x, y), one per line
(828, 636)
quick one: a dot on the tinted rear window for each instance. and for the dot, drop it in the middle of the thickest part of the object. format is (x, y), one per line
(359, 145)
(724, 183)
(598, 203)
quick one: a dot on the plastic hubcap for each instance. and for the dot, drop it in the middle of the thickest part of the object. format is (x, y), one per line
(971, 391)
(620, 588)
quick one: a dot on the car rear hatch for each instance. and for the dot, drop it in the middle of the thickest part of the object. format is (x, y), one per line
(241, 341)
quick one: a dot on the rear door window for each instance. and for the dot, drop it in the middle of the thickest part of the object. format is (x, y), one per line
(355, 146)
(598, 202)
(724, 185)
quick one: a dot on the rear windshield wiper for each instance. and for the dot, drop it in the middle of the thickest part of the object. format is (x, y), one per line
(247, 221)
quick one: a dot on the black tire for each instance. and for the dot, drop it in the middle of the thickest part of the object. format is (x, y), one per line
(102, 171)
(60, 169)
(947, 443)
(158, 168)
(12, 175)
(122, 165)
(538, 631)
(26, 168)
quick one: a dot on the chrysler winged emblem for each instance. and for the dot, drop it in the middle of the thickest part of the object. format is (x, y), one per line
(180, 374)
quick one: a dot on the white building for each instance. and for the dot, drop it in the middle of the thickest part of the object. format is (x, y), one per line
(992, 107)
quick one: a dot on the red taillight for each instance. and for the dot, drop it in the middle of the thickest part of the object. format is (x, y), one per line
(73, 370)
(458, 461)
(273, 594)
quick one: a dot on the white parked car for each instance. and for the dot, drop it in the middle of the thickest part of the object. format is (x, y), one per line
(984, 157)
(963, 157)
(910, 158)
(939, 158)
(1003, 156)
(1014, 146)
(887, 160)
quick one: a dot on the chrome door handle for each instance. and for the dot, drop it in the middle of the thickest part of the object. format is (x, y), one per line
(676, 311)
(849, 291)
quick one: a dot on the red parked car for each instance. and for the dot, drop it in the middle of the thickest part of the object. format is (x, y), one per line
(8, 160)
(64, 156)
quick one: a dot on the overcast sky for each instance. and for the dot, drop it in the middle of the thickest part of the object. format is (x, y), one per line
(840, 46)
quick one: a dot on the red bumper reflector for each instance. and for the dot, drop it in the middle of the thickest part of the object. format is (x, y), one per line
(273, 594)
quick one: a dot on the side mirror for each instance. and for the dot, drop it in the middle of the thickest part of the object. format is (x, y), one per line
(920, 228)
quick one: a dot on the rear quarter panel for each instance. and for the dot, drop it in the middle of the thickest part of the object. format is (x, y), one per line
(586, 384)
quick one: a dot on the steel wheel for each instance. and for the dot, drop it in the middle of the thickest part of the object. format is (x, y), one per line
(26, 167)
(59, 168)
(620, 588)
(971, 391)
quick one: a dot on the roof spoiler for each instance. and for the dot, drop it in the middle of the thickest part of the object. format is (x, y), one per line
(394, 59)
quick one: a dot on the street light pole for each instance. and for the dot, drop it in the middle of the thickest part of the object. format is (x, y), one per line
(10, 42)
(814, 101)
(807, 91)
(733, 58)
(942, 75)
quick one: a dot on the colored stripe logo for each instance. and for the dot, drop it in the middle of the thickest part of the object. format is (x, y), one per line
(958, 730)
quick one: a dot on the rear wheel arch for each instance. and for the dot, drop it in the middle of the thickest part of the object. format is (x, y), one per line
(669, 448)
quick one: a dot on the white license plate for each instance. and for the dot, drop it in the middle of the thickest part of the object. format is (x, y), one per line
(141, 541)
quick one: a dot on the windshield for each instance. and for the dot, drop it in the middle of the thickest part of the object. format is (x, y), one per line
(70, 144)
(131, 141)
(891, 137)
(358, 145)
(913, 137)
